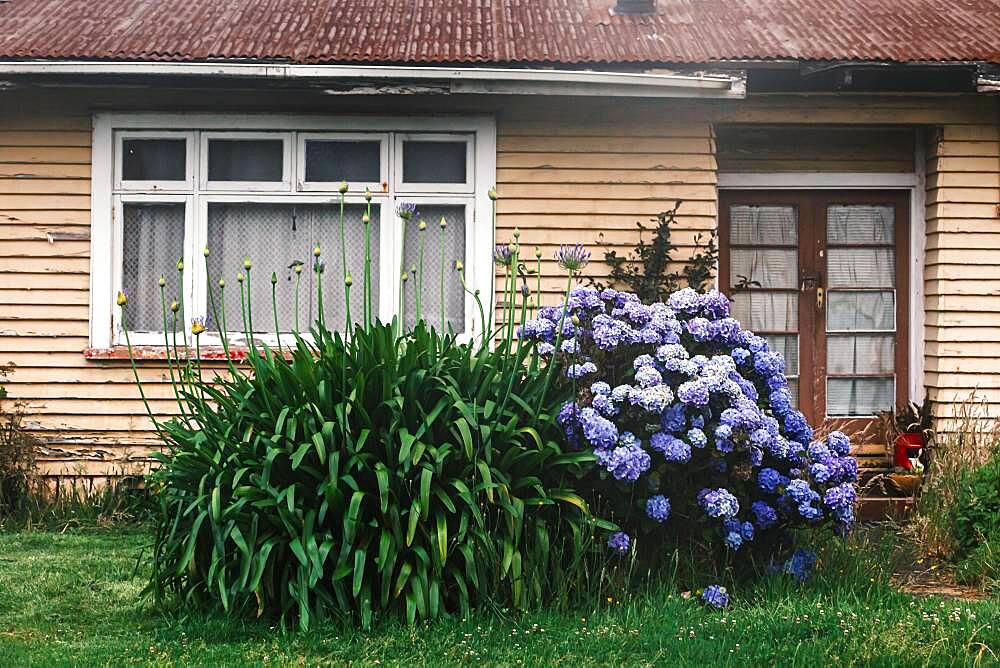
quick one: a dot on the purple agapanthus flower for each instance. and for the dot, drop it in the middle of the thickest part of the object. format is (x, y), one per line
(620, 542)
(572, 258)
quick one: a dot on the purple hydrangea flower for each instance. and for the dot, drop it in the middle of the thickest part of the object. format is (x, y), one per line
(647, 376)
(764, 515)
(580, 370)
(599, 431)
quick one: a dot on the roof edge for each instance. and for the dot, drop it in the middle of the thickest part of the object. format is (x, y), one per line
(475, 80)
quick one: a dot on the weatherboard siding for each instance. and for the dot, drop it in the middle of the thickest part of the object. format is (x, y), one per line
(962, 266)
(565, 175)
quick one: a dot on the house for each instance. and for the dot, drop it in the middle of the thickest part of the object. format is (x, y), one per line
(848, 152)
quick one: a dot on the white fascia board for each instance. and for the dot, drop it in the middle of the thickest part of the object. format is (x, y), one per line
(460, 79)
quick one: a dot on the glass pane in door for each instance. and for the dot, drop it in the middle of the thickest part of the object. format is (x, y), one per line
(764, 270)
(860, 309)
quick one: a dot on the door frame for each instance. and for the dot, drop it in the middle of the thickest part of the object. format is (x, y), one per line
(914, 183)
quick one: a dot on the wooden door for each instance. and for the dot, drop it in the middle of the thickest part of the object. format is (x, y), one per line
(822, 275)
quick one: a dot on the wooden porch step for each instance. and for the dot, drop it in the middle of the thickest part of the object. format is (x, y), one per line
(879, 508)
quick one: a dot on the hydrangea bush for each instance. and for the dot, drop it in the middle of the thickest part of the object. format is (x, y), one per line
(690, 418)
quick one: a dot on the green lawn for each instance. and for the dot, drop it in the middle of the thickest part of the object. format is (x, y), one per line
(73, 599)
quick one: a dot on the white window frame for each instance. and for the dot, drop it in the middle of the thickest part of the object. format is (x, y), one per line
(468, 187)
(379, 187)
(108, 194)
(187, 183)
(119, 201)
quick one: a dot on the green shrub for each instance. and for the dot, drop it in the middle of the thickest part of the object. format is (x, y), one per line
(377, 473)
(977, 511)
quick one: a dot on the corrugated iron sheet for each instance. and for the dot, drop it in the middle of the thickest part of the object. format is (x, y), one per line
(568, 32)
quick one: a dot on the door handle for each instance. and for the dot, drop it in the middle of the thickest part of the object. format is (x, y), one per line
(820, 293)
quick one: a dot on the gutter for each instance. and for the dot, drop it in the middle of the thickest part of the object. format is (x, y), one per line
(471, 80)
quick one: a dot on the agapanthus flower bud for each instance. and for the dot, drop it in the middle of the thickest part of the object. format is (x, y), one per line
(443, 223)
(247, 264)
(317, 251)
(298, 268)
(368, 195)
(198, 325)
(174, 306)
(575, 319)
(180, 265)
(406, 210)
(122, 298)
(348, 280)
(343, 187)
(538, 253)
(525, 291)
(493, 193)
(222, 282)
(162, 282)
(512, 247)
(459, 266)
(365, 218)
(404, 277)
(239, 277)
(274, 278)
(517, 233)
(413, 269)
(422, 226)
(206, 252)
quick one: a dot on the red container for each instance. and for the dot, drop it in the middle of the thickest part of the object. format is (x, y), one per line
(907, 445)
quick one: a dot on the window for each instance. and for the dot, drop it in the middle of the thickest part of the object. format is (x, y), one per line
(267, 188)
(822, 276)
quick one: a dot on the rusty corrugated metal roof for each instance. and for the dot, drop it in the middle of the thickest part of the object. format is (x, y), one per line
(568, 32)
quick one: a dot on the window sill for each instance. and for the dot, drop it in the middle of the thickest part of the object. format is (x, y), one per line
(159, 353)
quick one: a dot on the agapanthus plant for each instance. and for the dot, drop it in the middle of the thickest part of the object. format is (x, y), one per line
(691, 417)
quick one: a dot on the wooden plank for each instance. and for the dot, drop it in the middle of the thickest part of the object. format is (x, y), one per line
(49, 202)
(558, 143)
(28, 295)
(32, 248)
(554, 192)
(962, 195)
(948, 286)
(974, 149)
(45, 217)
(586, 127)
(58, 281)
(77, 155)
(605, 176)
(9, 137)
(51, 233)
(658, 161)
(23, 170)
(962, 334)
(973, 241)
(21, 186)
(37, 120)
(970, 133)
(638, 208)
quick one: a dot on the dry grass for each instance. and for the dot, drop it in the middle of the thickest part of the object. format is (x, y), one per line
(966, 441)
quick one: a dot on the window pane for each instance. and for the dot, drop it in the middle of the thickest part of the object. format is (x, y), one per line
(434, 274)
(276, 237)
(152, 243)
(763, 225)
(770, 268)
(154, 160)
(860, 310)
(434, 161)
(861, 267)
(860, 224)
(858, 396)
(864, 353)
(793, 389)
(245, 160)
(339, 160)
(762, 311)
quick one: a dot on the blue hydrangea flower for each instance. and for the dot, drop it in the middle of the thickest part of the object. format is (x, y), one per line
(581, 370)
(647, 376)
(839, 443)
(600, 388)
(673, 418)
(800, 565)
(658, 508)
(697, 438)
(599, 431)
(626, 462)
(672, 448)
(769, 480)
(764, 515)
(620, 542)
(694, 392)
(720, 503)
(715, 596)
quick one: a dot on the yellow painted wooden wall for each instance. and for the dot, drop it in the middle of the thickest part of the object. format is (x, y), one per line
(565, 175)
(962, 265)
